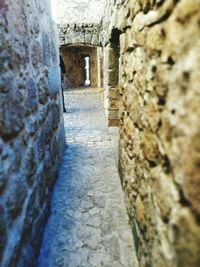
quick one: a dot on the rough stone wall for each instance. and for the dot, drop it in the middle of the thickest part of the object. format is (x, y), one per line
(74, 64)
(77, 39)
(31, 126)
(111, 83)
(111, 56)
(160, 127)
(80, 33)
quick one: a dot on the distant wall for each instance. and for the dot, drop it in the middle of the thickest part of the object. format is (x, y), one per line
(31, 126)
(159, 151)
(80, 33)
(73, 60)
(77, 39)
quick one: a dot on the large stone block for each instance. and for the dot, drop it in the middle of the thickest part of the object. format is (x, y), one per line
(54, 81)
(191, 169)
(46, 49)
(36, 54)
(16, 199)
(31, 96)
(43, 91)
(185, 235)
(11, 116)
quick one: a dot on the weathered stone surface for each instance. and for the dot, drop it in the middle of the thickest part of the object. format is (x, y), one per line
(30, 166)
(31, 98)
(36, 54)
(26, 120)
(186, 238)
(80, 33)
(54, 82)
(43, 92)
(46, 49)
(159, 123)
(11, 116)
(55, 115)
(15, 200)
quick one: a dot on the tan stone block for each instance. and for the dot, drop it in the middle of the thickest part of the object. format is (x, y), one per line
(140, 211)
(149, 144)
(113, 123)
(113, 93)
(185, 237)
(191, 170)
(164, 192)
(113, 105)
(156, 37)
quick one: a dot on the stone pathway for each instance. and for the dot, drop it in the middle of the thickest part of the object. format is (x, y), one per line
(88, 225)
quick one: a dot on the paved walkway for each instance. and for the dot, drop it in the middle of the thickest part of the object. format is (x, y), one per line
(88, 225)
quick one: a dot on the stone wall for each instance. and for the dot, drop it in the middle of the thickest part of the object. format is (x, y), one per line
(80, 33)
(31, 126)
(77, 39)
(111, 53)
(74, 65)
(159, 154)
(111, 80)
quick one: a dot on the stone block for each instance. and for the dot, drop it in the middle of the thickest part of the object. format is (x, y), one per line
(43, 91)
(54, 81)
(32, 126)
(45, 136)
(36, 54)
(185, 236)
(113, 122)
(112, 77)
(191, 170)
(11, 116)
(31, 96)
(113, 93)
(30, 166)
(46, 49)
(55, 115)
(15, 200)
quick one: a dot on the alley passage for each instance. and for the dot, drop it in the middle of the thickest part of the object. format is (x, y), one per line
(88, 225)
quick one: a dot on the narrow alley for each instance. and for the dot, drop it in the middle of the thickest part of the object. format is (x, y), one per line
(88, 225)
(115, 180)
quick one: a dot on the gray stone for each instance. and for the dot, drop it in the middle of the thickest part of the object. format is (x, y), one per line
(31, 142)
(43, 92)
(54, 81)
(46, 49)
(36, 54)
(55, 109)
(15, 200)
(11, 116)
(30, 166)
(31, 98)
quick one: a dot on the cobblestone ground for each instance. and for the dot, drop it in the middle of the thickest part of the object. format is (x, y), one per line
(88, 225)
